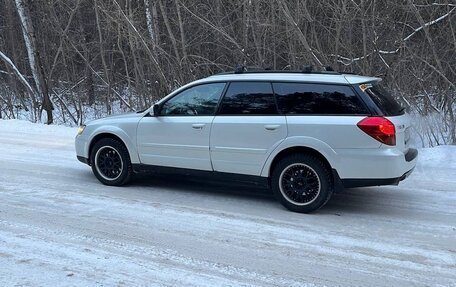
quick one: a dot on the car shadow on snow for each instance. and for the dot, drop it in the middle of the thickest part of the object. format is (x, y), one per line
(371, 200)
(366, 200)
(205, 185)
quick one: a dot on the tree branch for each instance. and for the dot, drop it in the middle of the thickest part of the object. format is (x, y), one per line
(348, 61)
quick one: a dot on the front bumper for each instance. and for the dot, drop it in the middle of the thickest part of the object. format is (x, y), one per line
(81, 144)
(83, 159)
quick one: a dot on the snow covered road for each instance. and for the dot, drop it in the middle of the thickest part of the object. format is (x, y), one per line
(60, 227)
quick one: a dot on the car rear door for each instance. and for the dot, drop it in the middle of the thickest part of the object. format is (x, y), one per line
(246, 128)
(179, 135)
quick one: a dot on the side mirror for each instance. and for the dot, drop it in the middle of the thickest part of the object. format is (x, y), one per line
(156, 110)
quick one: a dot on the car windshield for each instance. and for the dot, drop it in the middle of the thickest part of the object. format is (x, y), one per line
(383, 99)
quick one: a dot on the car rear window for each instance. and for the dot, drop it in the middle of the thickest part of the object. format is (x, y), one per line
(320, 99)
(383, 99)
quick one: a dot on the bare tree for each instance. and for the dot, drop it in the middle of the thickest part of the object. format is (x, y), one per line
(34, 58)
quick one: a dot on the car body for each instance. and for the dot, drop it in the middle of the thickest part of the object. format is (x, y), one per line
(341, 129)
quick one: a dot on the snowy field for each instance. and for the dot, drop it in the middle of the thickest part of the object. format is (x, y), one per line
(60, 227)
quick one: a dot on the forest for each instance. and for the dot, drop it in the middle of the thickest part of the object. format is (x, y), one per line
(68, 61)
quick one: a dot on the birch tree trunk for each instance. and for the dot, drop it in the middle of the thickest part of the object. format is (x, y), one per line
(149, 20)
(34, 59)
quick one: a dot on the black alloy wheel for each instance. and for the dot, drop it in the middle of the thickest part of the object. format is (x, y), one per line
(302, 182)
(110, 162)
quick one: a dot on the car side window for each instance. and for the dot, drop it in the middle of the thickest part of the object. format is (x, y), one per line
(199, 100)
(248, 98)
(299, 98)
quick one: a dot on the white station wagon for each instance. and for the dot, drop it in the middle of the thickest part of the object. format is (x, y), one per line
(305, 134)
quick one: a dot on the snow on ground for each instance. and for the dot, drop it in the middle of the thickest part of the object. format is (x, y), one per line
(60, 227)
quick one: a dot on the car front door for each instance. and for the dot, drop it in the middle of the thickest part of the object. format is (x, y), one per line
(179, 135)
(246, 128)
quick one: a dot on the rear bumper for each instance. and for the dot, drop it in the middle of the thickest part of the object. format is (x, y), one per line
(382, 163)
(348, 183)
(381, 167)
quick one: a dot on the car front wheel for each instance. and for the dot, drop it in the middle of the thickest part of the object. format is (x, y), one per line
(110, 162)
(302, 182)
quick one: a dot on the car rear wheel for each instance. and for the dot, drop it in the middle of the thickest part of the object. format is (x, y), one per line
(110, 162)
(302, 182)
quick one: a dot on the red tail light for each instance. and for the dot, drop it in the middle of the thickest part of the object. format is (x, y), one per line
(380, 129)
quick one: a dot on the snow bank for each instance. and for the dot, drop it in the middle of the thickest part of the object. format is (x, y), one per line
(29, 128)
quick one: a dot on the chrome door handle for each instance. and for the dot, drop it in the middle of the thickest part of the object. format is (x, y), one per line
(271, 127)
(198, 126)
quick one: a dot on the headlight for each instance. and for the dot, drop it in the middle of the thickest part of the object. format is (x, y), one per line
(81, 129)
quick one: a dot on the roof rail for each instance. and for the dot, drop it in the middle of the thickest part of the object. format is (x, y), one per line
(240, 69)
(245, 69)
(307, 69)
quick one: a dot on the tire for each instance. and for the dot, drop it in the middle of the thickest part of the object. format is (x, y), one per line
(111, 162)
(302, 182)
